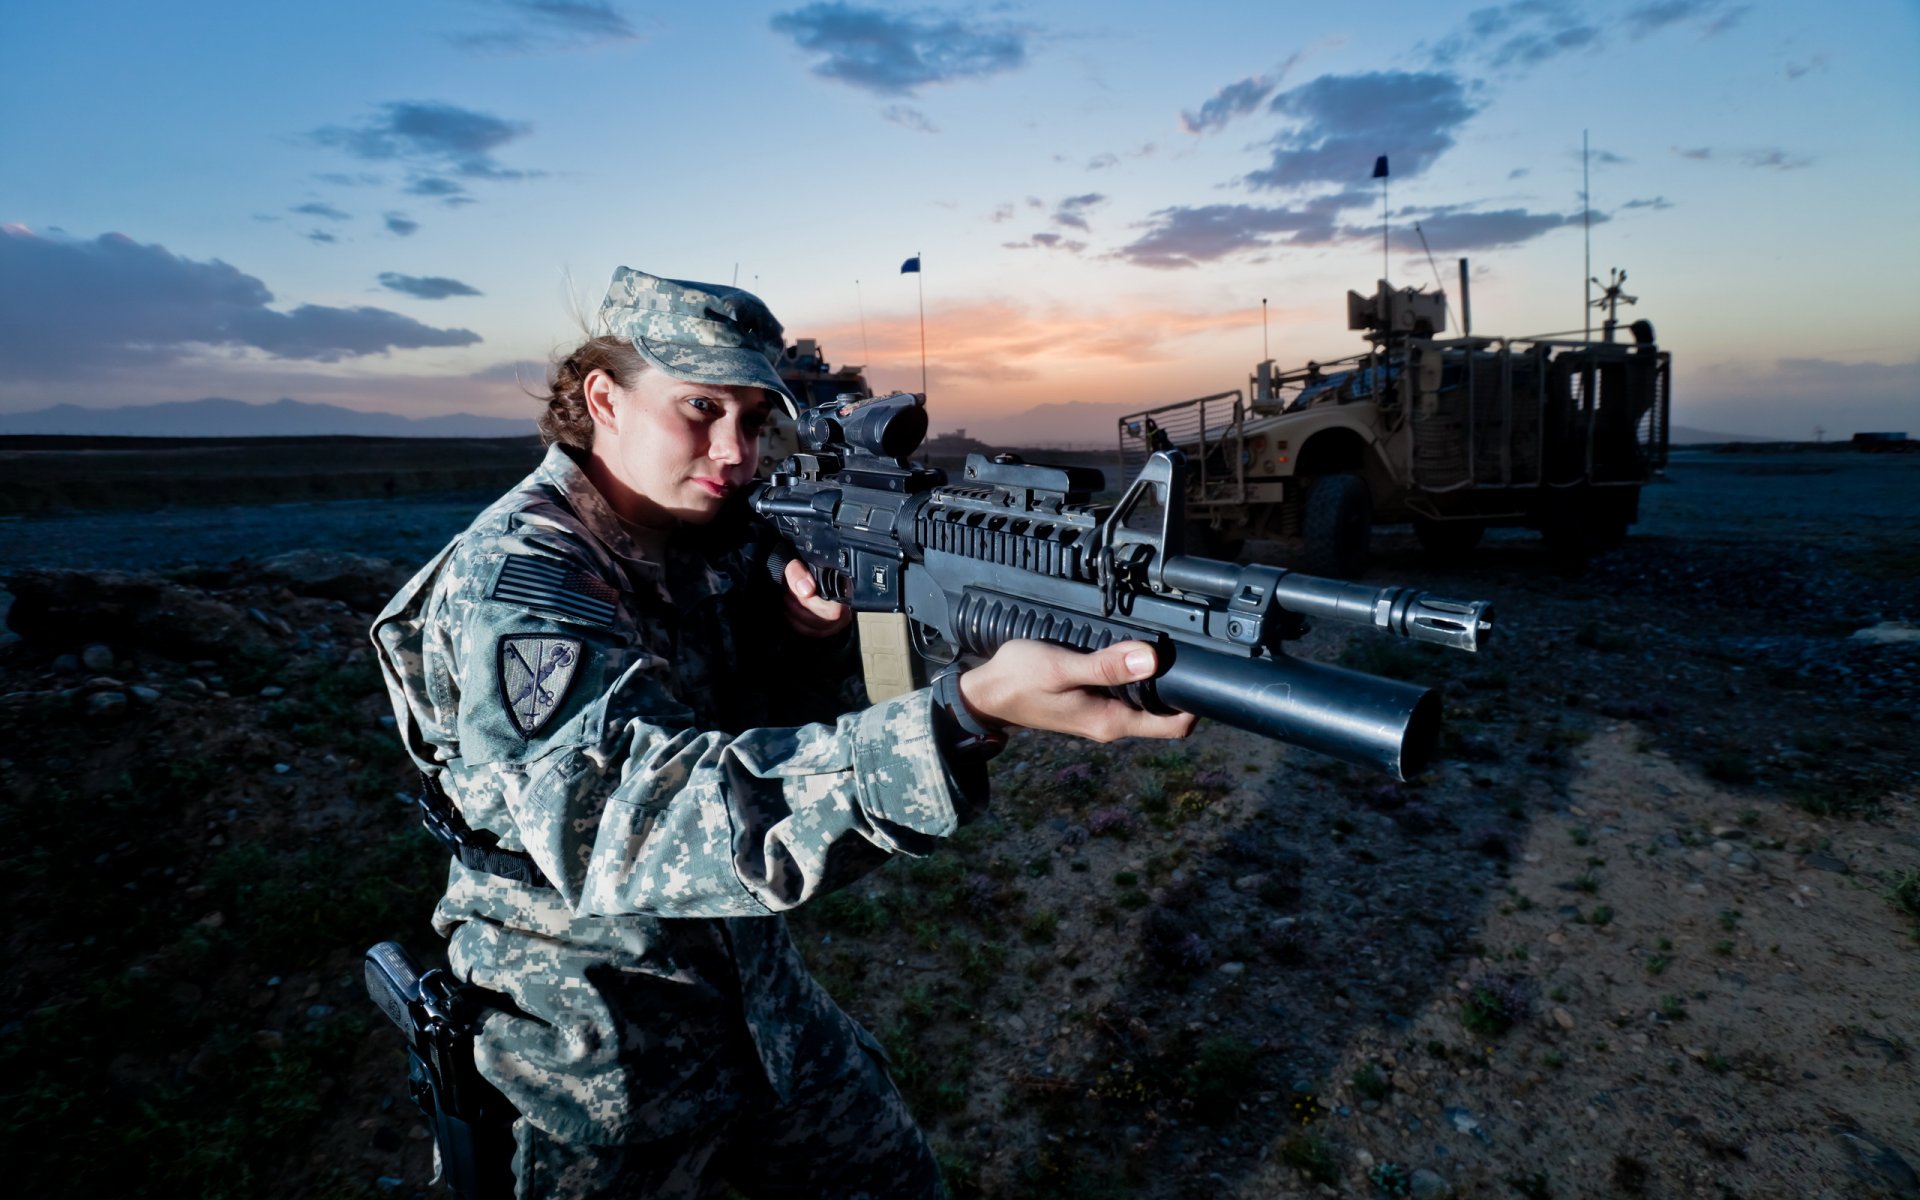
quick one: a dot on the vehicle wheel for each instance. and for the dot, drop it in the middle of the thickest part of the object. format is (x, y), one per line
(1338, 526)
(1448, 537)
(1611, 517)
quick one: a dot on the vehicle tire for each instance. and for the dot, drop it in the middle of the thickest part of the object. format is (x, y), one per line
(1338, 527)
(1612, 515)
(1448, 538)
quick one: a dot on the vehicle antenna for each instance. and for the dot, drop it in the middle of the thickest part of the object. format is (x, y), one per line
(1263, 328)
(1438, 284)
(736, 274)
(1586, 226)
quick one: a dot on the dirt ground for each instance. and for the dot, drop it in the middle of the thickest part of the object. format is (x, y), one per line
(1641, 930)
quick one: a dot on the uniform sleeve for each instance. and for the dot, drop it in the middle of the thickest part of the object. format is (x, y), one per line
(571, 727)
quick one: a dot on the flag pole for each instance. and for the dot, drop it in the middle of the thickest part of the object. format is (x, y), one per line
(920, 282)
(1380, 173)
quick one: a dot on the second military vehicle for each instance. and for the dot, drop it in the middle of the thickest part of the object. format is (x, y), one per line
(1554, 433)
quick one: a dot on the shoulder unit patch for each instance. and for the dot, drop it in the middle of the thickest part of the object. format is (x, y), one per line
(535, 671)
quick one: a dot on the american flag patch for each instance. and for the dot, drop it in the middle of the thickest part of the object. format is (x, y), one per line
(556, 587)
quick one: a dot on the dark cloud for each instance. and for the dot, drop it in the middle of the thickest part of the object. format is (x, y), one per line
(1605, 158)
(1523, 34)
(437, 186)
(1517, 35)
(1072, 211)
(1817, 63)
(1769, 157)
(1656, 202)
(1342, 122)
(1187, 237)
(432, 138)
(1001, 214)
(1233, 100)
(317, 209)
(54, 292)
(1518, 173)
(909, 117)
(1452, 232)
(343, 179)
(400, 225)
(1714, 16)
(425, 287)
(896, 54)
(321, 236)
(538, 25)
(1047, 241)
(1775, 158)
(1101, 162)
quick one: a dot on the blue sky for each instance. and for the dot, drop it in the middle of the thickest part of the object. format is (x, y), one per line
(407, 206)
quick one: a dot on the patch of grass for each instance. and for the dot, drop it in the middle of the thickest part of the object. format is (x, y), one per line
(1309, 1154)
(1041, 927)
(1671, 1008)
(1730, 766)
(1581, 835)
(1390, 1179)
(1222, 1073)
(1496, 1003)
(849, 912)
(1370, 1083)
(1904, 894)
(1657, 964)
(1588, 882)
(1729, 919)
(1534, 1185)
(1602, 914)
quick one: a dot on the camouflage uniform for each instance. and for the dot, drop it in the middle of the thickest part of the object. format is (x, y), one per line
(639, 724)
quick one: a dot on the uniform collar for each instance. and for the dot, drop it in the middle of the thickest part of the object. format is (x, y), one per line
(562, 472)
(692, 577)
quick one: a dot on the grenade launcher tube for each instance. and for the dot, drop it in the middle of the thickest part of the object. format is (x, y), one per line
(1355, 717)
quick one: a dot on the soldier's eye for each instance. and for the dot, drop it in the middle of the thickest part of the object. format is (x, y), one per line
(703, 404)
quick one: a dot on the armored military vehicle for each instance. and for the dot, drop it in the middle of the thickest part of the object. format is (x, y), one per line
(1555, 433)
(805, 371)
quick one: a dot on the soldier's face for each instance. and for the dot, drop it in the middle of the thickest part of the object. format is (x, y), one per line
(669, 451)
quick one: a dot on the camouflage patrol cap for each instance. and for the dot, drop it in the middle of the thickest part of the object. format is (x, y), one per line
(699, 332)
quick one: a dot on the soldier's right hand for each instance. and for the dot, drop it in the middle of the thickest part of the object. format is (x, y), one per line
(1042, 686)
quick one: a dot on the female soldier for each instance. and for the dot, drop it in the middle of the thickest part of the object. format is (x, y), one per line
(598, 673)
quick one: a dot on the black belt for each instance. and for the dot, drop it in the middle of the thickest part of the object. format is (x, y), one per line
(475, 849)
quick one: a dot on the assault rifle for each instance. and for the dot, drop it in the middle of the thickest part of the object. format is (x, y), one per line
(1019, 550)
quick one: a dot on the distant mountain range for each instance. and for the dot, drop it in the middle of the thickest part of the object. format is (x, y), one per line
(1074, 423)
(214, 417)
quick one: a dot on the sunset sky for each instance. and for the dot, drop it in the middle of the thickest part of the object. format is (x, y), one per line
(407, 206)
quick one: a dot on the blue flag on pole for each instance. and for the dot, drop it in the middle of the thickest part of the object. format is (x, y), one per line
(1380, 167)
(911, 266)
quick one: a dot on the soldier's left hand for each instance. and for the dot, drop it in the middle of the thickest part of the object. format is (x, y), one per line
(810, 613)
